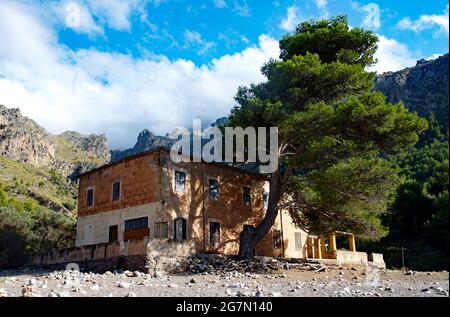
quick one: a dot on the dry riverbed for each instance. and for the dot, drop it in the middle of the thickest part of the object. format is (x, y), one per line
(329, 281)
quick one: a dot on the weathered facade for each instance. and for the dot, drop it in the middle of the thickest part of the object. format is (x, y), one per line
(147, 195)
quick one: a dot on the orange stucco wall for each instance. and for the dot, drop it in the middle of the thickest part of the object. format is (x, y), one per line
(150, 179)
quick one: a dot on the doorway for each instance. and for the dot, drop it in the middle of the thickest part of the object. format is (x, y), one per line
(113, 233)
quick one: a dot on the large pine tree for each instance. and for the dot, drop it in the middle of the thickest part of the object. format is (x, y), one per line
(334, 132)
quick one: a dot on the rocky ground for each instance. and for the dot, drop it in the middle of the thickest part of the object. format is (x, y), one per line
(239, 279)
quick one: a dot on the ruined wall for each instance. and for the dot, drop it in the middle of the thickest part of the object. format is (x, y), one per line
(139, 254)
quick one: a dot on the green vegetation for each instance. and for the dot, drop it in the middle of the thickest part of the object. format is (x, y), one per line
(70, 152)
(418, 217)
(27, 229)
(43, 186)
(335, 134)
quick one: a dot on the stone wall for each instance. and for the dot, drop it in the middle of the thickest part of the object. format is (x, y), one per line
(139, 254)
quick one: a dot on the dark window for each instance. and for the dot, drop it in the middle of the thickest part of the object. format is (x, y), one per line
(134, 224)
(214, 189)
(161, 230)
(90, 197)
(180, 181)
(266, 200)
(276, 239)
(214, 233)
(116, 191)
(180, 229)
(113, 232)
(246, 191)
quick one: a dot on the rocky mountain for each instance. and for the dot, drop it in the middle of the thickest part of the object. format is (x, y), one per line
(37, 165)
(146, 141)
(423, 88)
(24, 141)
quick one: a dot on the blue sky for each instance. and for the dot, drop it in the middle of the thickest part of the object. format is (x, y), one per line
(117, 67)
(203, 29)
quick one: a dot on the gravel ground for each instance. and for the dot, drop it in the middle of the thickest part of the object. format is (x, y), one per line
(329, 282)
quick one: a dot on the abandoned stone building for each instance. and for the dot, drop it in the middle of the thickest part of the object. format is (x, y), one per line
(147, 195)
(146, 206)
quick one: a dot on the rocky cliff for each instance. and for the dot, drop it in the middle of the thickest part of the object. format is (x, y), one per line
(23, 140)
(146, 141)
(423, 88)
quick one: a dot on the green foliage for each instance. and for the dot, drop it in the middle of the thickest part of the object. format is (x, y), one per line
(27, 229)
(335, 134)
(334, 201)
(332, 40)
(418, 216)
(23, 181)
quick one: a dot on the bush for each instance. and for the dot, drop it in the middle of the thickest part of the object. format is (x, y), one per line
(25, 233)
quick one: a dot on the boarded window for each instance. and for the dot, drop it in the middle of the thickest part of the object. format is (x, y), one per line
(116, 191)
(135, 224)
(247, 195)
(161, 230)
(298, 241)
(214, 189)
(266, 200)
(277, 239)
(180, 181)
(90, 197)
(214, 234)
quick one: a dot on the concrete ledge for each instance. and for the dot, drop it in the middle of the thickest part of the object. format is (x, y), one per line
(377, 260)
(351, 257)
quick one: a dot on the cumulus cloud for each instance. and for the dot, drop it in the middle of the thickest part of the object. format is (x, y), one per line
(392, 56)
(439, 21)
(104, 92)
(289, 23)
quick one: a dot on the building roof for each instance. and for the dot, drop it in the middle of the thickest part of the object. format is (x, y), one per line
(163, 149)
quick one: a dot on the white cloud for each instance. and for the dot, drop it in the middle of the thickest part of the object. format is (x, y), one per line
(241, 8)
(114, 13)
(220, 3)
(193, 38)
(116, 94)
(321, 3)
(392, 56)
(425, 22)
(434, 56)
(289, 23)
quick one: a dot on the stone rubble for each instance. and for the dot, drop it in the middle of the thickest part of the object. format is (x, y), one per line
(220, 276)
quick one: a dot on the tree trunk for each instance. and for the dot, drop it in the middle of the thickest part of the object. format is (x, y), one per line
(251, 236)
